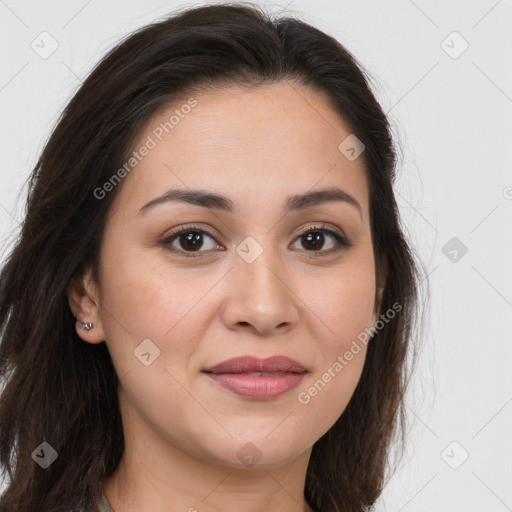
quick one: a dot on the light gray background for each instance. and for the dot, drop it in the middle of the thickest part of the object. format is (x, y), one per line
(454, 120)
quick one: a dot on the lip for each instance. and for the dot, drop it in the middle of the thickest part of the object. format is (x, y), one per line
(247, 364)
(237, 375)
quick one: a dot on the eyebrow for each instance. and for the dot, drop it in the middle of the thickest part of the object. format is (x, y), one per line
(218, 202)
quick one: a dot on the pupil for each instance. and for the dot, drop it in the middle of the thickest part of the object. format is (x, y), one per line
(191, 241)
(313, 239)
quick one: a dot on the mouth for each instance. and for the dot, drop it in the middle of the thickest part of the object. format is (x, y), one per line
(257, 379)
(252, 364)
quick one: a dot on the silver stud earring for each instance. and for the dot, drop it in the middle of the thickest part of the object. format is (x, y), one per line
(85, 327)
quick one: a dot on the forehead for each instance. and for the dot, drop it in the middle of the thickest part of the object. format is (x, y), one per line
(282, 137)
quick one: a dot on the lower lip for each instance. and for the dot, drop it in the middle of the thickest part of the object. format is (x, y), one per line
(257, 388)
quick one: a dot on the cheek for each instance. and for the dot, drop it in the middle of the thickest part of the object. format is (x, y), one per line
(148, 295)
(324, 397)
(348, 308)
(342, 300)
(146, 298)
(344, 306)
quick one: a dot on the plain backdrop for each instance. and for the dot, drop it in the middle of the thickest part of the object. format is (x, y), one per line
(442, 70)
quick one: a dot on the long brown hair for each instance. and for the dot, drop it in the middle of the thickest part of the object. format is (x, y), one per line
(63, 391)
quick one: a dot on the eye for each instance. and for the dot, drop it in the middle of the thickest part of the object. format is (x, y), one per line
(322, 240)
(189, 240)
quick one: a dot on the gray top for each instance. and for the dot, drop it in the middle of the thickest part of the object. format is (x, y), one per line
(105, 506)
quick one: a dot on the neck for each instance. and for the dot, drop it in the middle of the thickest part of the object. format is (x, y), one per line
(155, 473)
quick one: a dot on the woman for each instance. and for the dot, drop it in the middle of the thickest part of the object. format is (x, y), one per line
(211, 302)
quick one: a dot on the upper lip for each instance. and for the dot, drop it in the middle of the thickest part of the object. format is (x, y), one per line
(247, 364)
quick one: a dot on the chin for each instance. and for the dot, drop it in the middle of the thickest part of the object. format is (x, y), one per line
(258, 453)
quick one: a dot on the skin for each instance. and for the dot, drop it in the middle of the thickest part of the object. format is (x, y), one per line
(182, 430)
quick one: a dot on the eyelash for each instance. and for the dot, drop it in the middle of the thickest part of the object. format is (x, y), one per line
(342, 242)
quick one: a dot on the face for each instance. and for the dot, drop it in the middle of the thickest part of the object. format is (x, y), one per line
(260, 273)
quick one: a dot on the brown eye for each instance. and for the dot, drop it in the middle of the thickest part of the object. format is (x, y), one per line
(313, 240)
(322, 241)
(192, 241)
(188, 240)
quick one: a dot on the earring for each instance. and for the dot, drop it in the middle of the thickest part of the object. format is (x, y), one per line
(85, 327)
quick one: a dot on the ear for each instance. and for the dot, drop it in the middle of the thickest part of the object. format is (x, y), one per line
(84, 302)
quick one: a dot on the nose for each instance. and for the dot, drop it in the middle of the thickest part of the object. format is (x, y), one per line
(259, 298)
